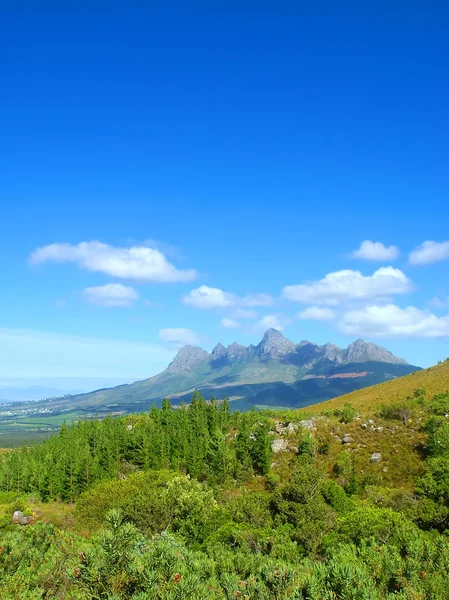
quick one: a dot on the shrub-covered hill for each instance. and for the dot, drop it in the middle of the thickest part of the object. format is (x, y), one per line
(201, 503)
(434, 380)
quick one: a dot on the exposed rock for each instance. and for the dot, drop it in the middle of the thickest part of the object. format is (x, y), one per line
(130, 427)
(291, 428)
(279, 446)
(385, 469)
(332, 353)
(18, 514)
(19, 518)
(187, 359)
(376, 457)
(236, 352)
(361, 351)
(218, 351)
(378, 429)
(307, 424)
(363, 425)
(294, 449)
(274, 345)
(346, 439)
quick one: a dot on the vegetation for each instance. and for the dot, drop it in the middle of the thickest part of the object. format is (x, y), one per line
(193, 503)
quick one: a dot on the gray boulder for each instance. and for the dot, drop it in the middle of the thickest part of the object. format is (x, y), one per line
(376, 457)
(346, 439)
(307, 424)
(18, 514)
(279, 446)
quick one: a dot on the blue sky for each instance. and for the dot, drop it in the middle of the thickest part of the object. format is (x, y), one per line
(172, 172)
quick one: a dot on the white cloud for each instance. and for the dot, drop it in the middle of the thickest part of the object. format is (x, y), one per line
(230, 323)
(258, 300)
(241, 313)
(111, 294)
(316, 313)
(440, 303)
(29, 353)
(376, 251)
(342, 286)
(429, 252)
(393, 321)
(278, 321)
(178, 336)
(139, 263)
(210, 298)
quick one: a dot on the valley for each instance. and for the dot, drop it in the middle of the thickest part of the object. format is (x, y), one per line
(275, 373)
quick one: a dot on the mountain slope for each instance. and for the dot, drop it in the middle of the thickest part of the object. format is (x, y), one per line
(434, 380)
(276, 372)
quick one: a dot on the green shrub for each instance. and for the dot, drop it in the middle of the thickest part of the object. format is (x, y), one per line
(348, 414)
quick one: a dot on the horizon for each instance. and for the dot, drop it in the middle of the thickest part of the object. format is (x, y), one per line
(181, 175)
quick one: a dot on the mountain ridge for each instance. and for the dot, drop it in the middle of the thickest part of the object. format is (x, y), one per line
(274, 373)
(270, 371)
(275, 346)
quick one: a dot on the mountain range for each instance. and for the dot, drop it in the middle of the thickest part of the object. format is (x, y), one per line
(276, 372)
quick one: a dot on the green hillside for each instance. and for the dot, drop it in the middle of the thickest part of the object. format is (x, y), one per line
(275, 373)
(349, 500)
(434, 380)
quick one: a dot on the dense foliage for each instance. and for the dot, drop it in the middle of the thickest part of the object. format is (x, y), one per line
(193, 504)
(194, 440)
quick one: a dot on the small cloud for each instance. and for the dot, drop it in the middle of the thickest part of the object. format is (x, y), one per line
(167, 249)
(429, 252)
(440, 303)
(316, 313)
(241, 313)
(376, 251)
(138, 263)
(111, 294)
(278, 321)
(209, 298)
(230, 323)
(179, 336)
(258, 300)
(343, 286)
(393, 321)
(150, 304)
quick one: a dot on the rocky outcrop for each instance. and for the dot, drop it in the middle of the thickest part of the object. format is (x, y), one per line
(19, 518)
(376, 457)
(361, 351)
(274, 345)
(279, 446)
(187, 359)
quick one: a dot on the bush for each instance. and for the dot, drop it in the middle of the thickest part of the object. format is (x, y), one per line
(348, 414)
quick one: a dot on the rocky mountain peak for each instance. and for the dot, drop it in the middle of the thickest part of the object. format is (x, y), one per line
(306, 343)
(218, 351)
(332, 352)
(235, 351)
(187, 359)
(361, 351)
(274, 345)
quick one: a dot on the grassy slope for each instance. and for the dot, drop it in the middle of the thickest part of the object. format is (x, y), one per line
(367, 400)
